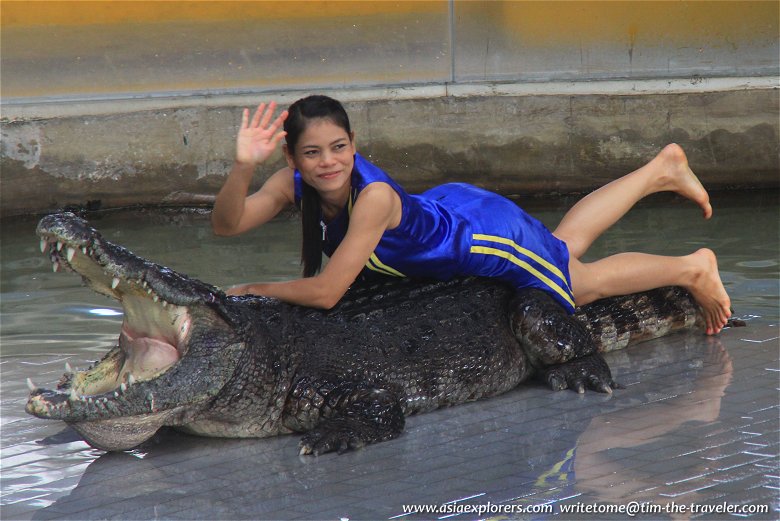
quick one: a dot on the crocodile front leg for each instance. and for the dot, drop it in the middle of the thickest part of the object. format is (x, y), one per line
(558, 345)
(346, 417)
(548, 334)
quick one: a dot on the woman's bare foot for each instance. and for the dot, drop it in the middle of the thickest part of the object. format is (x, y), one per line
(707, 288)
(678, 177)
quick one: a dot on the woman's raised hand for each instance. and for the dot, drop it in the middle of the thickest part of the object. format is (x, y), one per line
(258, 138)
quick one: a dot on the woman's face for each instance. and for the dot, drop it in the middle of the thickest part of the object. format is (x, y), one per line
(324, 155)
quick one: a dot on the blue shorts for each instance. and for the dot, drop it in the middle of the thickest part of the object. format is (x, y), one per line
(506, 243)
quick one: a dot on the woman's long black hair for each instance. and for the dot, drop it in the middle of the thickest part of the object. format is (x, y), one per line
(299, 115)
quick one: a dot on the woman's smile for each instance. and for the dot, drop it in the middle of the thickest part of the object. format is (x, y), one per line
(329, 175)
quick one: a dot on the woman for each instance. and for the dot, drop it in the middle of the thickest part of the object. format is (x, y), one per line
(360, 218)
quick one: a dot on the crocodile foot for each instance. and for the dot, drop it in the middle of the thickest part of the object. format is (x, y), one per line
(372, 415)
(335, 435)
(587, 372)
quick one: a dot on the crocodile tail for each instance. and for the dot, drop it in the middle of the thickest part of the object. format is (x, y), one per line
(616, 322)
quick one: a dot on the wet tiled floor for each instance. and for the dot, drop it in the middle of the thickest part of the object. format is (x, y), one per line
(697, 424)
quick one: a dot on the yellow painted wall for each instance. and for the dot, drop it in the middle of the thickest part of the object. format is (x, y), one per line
(538, 21)
(16, 13)
(84, 48)
(589, 21)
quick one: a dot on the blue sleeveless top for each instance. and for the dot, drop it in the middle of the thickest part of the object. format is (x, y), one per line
(457, 229)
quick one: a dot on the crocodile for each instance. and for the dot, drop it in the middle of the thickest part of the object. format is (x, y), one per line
(193, 358)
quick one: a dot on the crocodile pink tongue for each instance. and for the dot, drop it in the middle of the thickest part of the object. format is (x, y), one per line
(146, 355)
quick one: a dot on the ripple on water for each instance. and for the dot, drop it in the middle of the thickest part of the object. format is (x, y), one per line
(757, 264)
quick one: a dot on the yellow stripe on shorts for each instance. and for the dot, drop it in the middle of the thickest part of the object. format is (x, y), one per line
(484, 250)
(528, 253)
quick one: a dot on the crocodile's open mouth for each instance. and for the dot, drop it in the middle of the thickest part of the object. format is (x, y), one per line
(153, 338)
(153, 335)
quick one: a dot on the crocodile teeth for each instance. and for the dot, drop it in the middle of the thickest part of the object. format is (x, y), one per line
(59, 245)
(84, 250)
(44, 244)
(155, 298)
(130, 379)
(122, 387)
(70, 253)
(74, 397)
(114, 282)
(68, 368)
(31, 386)
(55, 267)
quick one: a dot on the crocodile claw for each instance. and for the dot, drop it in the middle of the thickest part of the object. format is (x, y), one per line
(323, 440)
(589, 372)
(555, 381)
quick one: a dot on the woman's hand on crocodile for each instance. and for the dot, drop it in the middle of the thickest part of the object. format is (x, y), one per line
(237, 291)
(258, 138)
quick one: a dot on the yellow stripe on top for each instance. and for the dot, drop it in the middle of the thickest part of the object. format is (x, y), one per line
(351, 201)
(373, 262)
(528, 253)
(377, 265)
(527, 267)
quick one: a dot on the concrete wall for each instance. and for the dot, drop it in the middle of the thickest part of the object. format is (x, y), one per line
(132, 102)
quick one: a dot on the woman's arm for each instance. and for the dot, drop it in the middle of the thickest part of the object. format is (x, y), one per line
(233, 211)
(377, 209)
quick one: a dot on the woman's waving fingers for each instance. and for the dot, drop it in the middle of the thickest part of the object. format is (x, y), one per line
(262, 118)
(278, 122)
(267, 115)
(259, 136)
(259, 113)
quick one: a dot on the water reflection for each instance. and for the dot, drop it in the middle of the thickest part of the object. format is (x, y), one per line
(636, 452)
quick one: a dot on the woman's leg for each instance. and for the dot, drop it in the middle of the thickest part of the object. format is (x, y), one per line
(626, 273)
(599, 210)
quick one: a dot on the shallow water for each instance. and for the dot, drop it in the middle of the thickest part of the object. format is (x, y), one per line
(49, 318)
